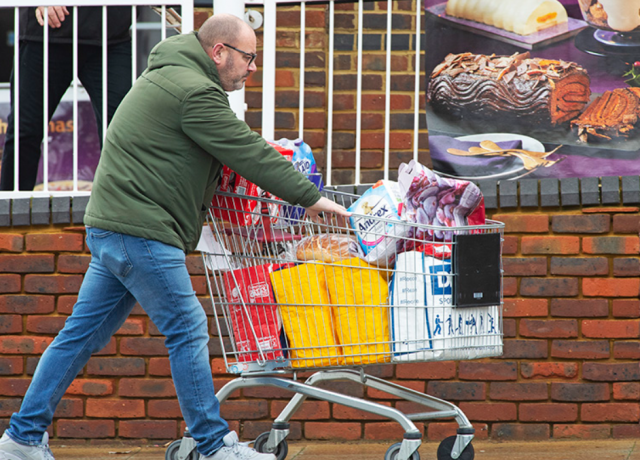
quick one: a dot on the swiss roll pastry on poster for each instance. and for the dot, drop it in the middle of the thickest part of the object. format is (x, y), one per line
(533, 88)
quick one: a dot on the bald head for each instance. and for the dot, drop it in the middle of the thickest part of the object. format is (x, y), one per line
(222, 28)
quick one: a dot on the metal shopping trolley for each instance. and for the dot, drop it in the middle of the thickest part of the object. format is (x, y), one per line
(293, 295)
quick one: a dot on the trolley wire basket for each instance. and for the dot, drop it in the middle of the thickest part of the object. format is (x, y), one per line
(337, 295)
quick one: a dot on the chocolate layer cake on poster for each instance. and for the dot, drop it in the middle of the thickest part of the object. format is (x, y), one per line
(611, 115)
(537, 91)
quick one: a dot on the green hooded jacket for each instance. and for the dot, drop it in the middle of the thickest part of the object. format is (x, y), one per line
(165, 148)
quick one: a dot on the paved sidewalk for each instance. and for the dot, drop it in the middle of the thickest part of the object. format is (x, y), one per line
(485, 450)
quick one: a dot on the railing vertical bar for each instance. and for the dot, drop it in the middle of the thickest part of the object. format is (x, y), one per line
(105, 102)
(134, 43)
(75, 98)
(303, 26)
(330, 93)
(16, 102)
(416, 118)
(45, 101)
(187, 16)
(163, 22)
(359, 92)
(387, 113)
(269, 69)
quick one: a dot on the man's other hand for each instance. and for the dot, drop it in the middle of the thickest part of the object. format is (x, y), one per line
(326, 205)
(56, 14)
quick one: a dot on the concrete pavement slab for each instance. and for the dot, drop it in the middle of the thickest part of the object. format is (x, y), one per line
(485, 450)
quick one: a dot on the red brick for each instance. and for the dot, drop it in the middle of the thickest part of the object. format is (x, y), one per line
(457, 391)
(625, 308)
(14, 387)
(524, 266)
(386, 430)
(509, 328)
(549, 370)
(86, 429)
(73, 263)
(310, 410)
(509, 286)
(164, 408)
(626, 391)
(149, 429)
(132, 326)
(592, 223)
(109, 349)
(524, 223)
(587, 432)
(625, 431)
(579, 308)
(520, 432)
(612, 412)
(90, 387)
(511, 391)
(54, 242)
(10, 284)
(518, 308)
(605, 372)
(376, 140)
(579, 266)
(10, 324)
(441, 370)
(626, 266)
(470, 370)
(116, 366)
(554, 412)
(341, 412)
(626, 350)
(576, 349)
(115, 408)
(66, 304)
(143, 346)
(23, 345)
(610, 287)
(11, 365)
(579, 392)
(611, 329)
(549, 287)
(489, 412)
(627, 209)
(69, 408)
(345, 431)
(611, 245)
(9, 406)
(27, 263)
(27, 304)
(147, 388)
(159, 367)
(557, 328)
(52, 284)
(525, 349)
(550, 245)
(626, 223)
(45, 324)
(510, 245)
(11, 242)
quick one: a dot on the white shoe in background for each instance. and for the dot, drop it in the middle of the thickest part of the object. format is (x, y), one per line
(234, 450)
(12, 450)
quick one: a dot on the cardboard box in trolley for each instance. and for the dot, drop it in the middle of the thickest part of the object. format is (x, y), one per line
(253, 286)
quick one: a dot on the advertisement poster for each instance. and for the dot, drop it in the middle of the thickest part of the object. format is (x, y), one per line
(533, 88)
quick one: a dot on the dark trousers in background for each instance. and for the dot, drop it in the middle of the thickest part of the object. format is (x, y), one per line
(60, 77)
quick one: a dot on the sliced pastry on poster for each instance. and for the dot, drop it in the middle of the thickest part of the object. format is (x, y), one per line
(534, 88)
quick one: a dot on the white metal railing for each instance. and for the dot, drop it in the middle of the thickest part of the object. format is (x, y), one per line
(187, 26)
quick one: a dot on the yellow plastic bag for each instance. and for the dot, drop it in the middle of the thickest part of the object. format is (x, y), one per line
(359, 294)
(307, 316)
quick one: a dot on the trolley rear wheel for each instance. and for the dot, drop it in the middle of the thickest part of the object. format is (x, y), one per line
(446, 446)
(260, 444)
(394, 450)
(173, 449)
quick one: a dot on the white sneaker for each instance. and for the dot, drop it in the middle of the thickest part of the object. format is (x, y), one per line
(11, 450)
(234, 450)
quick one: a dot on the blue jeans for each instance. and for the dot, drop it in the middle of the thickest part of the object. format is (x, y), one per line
(124, 268)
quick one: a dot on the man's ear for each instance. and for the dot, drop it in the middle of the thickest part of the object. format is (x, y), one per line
(215, 53)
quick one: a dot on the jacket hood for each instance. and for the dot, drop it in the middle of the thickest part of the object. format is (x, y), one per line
(183, 51)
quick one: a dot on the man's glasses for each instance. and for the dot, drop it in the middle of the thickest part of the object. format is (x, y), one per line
(252, 56)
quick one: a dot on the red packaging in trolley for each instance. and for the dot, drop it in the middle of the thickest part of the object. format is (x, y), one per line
(242, 211)
(253, 286)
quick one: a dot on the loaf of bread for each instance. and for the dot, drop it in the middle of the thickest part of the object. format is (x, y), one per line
(545, 92)
(327, 248)
(522, 17)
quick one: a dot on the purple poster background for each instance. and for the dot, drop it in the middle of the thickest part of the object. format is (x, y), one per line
(605, 66)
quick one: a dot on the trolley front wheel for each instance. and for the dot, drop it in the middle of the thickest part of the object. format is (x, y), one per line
(260, 444)
(173, 449)
(394, 450)
(446, 446)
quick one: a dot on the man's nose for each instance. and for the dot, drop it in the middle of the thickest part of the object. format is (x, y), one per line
(253, 67)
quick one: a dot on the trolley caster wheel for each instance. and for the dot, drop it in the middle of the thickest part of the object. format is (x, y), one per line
(173, 449)
(446, 446)
(394, 450)
(260, 444)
